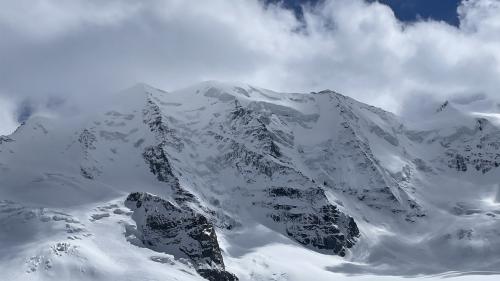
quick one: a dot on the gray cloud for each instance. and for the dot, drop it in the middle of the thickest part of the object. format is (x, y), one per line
(76, 50)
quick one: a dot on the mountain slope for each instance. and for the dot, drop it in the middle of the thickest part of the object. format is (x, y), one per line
(317, 172)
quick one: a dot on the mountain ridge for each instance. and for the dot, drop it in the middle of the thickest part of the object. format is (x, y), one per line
(331, 174)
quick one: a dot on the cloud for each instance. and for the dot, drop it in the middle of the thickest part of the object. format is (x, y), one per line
(76, 50)
(45, 20)
(8, 124)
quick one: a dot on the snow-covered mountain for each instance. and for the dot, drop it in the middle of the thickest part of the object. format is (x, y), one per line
(228, 181)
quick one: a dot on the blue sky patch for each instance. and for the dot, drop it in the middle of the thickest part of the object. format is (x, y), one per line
(405, 10)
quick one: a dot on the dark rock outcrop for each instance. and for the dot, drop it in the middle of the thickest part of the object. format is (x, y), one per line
(247, 124)
(159, 165)
(5, 139)
(473, 149)
(87, 139)
(157, 124)
(182, 232)
(310, 219)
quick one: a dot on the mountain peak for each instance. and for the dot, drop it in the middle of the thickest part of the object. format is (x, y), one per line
(317, 174)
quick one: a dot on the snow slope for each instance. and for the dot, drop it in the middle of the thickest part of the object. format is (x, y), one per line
(293, 184)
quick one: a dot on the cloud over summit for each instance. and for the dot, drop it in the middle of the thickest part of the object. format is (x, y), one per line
(78, 49)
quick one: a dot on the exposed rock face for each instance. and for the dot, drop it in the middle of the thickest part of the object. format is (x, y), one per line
(183, 232)
(247, 161)
(156, 156)
(87, 139)
(246, 124)
(165, 135)
(88, 143)
(159, 165)
(5, 139)
(310, 219)
(473, 149)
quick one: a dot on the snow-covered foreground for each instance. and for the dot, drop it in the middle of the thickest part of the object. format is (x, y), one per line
(99, 249)
(220, 181)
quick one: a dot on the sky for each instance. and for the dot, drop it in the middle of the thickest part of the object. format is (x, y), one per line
(59, 57)
(404, 10)
(413, 10)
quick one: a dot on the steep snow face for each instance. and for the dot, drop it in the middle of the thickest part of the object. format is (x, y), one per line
(319, 172)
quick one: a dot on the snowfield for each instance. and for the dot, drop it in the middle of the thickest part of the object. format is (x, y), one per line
(226, 181)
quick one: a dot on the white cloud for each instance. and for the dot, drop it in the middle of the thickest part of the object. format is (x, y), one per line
(45, 19)
(78, 48)
(481, 18)
(7, 122)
